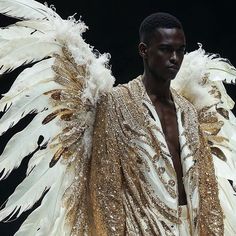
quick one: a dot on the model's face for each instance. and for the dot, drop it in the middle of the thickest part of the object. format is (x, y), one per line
(164, 53)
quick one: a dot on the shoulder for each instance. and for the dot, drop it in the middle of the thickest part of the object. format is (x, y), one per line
(128, 90)
(182, 102)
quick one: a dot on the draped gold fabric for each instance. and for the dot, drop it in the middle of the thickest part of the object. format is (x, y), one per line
(133, 185)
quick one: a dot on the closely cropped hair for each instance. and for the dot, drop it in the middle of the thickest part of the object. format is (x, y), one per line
(154, 21)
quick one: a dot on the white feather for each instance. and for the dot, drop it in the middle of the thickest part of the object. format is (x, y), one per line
(40, 72)
(195, 66)
(49, 216)
(27, 140)
(37, 158)
(32, 188)
(28, 101)
(17, 32)
(221, 70)
(23, 51)
(25, 9)
(44, 26)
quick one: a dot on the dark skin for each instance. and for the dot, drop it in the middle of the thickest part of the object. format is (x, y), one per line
(162, 58)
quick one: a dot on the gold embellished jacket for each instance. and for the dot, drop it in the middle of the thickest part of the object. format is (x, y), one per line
(133, 184)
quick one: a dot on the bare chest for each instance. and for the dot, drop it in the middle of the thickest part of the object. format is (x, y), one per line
(168, 120)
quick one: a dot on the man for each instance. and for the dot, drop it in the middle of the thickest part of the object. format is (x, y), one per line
(150, 170)
(148, 149)
(162, 51)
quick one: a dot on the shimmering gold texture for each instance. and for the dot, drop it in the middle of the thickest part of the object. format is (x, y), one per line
(211, 126)
(209, 218)
(123, 199)
(72, 150)
(210, 212)
(114, 191)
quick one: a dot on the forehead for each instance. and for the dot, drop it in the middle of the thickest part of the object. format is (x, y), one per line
(166, 36)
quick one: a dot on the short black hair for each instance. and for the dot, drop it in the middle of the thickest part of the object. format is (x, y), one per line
(154, 21)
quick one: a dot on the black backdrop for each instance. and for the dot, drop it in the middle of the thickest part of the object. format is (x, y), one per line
(113, 27)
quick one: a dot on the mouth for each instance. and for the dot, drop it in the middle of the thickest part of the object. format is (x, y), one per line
(174, 68)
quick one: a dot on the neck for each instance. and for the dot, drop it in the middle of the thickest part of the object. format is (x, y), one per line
(157, 89)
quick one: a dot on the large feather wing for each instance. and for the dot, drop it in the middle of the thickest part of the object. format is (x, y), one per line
(62, 87)
(201, 80)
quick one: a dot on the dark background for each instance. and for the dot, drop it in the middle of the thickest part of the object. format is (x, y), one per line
(113, 28)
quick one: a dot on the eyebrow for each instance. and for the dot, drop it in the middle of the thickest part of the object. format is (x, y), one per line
(169, 45)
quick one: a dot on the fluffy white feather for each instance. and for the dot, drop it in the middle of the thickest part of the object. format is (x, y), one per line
(25, 9)
(27, 140)
(31, 100)
(26, 195)
(17, 32)
(24, 51)
(40, 72)
(48, 218)
(198, 66)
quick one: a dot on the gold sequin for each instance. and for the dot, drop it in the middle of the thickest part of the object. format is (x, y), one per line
(112, 193)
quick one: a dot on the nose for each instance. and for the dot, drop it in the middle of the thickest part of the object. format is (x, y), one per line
(173, 58)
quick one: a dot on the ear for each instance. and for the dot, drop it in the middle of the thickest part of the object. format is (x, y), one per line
(142, 48)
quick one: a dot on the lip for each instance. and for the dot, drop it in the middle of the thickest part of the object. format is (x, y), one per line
(173, 68)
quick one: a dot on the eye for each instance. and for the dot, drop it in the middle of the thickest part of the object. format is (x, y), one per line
(181, 50)
(166, 49)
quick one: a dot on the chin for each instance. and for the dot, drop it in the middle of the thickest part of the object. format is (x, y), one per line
(171, 76)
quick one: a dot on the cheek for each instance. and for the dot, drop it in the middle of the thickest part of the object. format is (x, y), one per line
(157, 67)
(156, 60)
(159, 62)
(180, 58)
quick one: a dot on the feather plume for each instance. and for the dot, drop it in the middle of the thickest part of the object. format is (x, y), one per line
(199, 73)
(31, 100)
(38, 156)
(40, 72)
(17, 32)
(12, 157)
(31, 189)
(25, 9)
(23, 51)
(47, 219)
